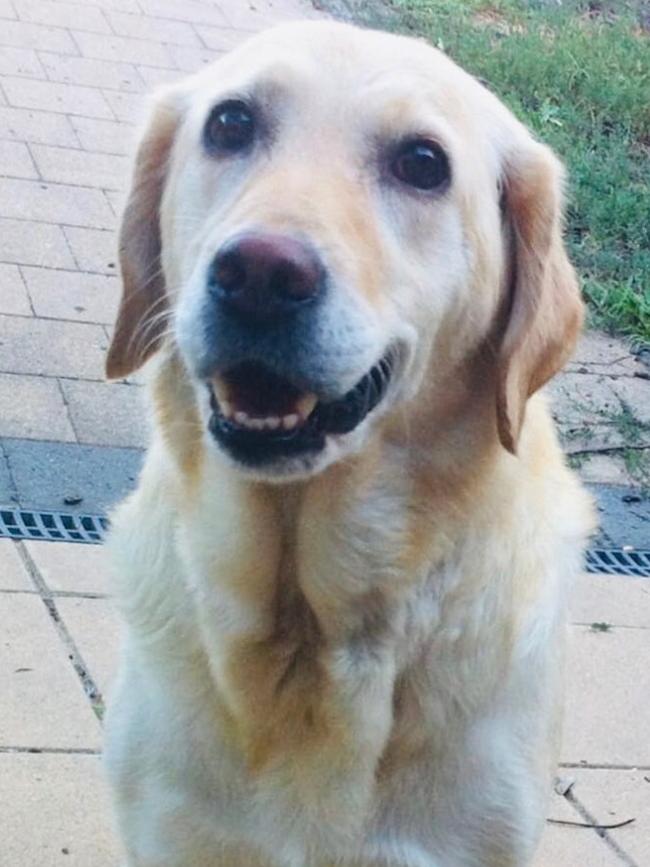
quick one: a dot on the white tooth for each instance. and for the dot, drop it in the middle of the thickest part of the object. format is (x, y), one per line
(226, 409)
(241, 417)
(272, 422)
(256, 423)
(220, 390)
(305, 404)
(289, 421)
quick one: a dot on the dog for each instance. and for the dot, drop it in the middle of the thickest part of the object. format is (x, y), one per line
(343, 574)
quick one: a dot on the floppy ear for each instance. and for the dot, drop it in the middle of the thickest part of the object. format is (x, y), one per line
(140, 319)
(545, 308)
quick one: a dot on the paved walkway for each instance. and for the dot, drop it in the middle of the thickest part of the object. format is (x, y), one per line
(72, 79)
(59, 648)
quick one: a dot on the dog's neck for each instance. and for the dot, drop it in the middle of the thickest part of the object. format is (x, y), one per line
(304, 591)
(445, 441)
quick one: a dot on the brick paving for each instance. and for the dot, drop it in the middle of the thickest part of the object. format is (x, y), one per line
(72, 80)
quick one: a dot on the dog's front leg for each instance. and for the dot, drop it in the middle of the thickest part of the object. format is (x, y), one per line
(303, 662)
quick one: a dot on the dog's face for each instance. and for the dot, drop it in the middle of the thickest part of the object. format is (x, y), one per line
(323, 221)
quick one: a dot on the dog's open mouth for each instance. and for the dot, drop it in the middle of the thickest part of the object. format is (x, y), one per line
(258, 416)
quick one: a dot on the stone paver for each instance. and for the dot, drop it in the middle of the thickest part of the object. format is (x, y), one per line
(608, 686)
(55, 809)
(597, 599)
(96, 630)
(613, 796)
(72, 295)
(52, 347)
(574, 847)
(13, 574)
(77, 569)
(70, 476)
(43, 704)
(105, 414)
(94, 250)
(34, 408)
(14, 299)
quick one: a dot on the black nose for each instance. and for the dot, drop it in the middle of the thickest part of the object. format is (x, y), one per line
(265, 276)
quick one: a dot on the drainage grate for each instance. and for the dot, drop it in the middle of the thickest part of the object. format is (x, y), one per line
(65, 527)
(52, 526)
(618, 562)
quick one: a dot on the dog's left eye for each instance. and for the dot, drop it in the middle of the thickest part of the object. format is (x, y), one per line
(422, 164)
(230, 127)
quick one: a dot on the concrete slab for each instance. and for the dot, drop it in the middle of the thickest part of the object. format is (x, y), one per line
(607, 709)
(46, 473)
(613, 796)
(624, 515)
(33, 408)
(612, 599)
(13, 295)
(46, 347)
(57, 811)
(107, 413)
(69, 567)
(13, 574)
(73, 295)
(574, 847)
(95, 630)
(8, 492)
(43, 703)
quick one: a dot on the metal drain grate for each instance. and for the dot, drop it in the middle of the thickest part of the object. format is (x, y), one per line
(66, 527)
(618, 562)
(52, 526)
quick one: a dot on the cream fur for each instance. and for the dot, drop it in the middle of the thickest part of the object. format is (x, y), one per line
(361, 665)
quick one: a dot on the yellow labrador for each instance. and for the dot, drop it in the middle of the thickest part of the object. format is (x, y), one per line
(343, 573)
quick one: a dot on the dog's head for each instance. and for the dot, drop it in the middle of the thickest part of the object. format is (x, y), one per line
(324, 222)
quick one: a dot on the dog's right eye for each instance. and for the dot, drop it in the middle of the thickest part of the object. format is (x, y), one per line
(230, 127)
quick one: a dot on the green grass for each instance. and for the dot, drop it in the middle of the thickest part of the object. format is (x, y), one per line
(578, 74)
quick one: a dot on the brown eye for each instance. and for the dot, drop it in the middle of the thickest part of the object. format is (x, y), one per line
(421, 164)
(230, 127)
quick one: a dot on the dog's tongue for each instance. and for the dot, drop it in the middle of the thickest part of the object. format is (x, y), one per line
(255, 390)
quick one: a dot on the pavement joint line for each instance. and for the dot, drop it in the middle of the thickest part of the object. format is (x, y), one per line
(26, 77)
(601, 832)
(53, 267)
(73, 594)
(24, 282)
(68, 413)
(70, 32)
(35, 166)
(57, 319)
(64, 225)
(605, 766)
(41, 180)
(55, 594)
(68, 246)
(57, 751)
(82, 671)
(613, 626)
(69, 378)
(13, 487)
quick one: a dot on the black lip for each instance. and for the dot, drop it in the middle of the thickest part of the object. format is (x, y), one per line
(254, 448)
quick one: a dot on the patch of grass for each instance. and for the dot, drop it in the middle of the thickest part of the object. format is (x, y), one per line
(627, 424)
(637, 463)
(577, 72)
